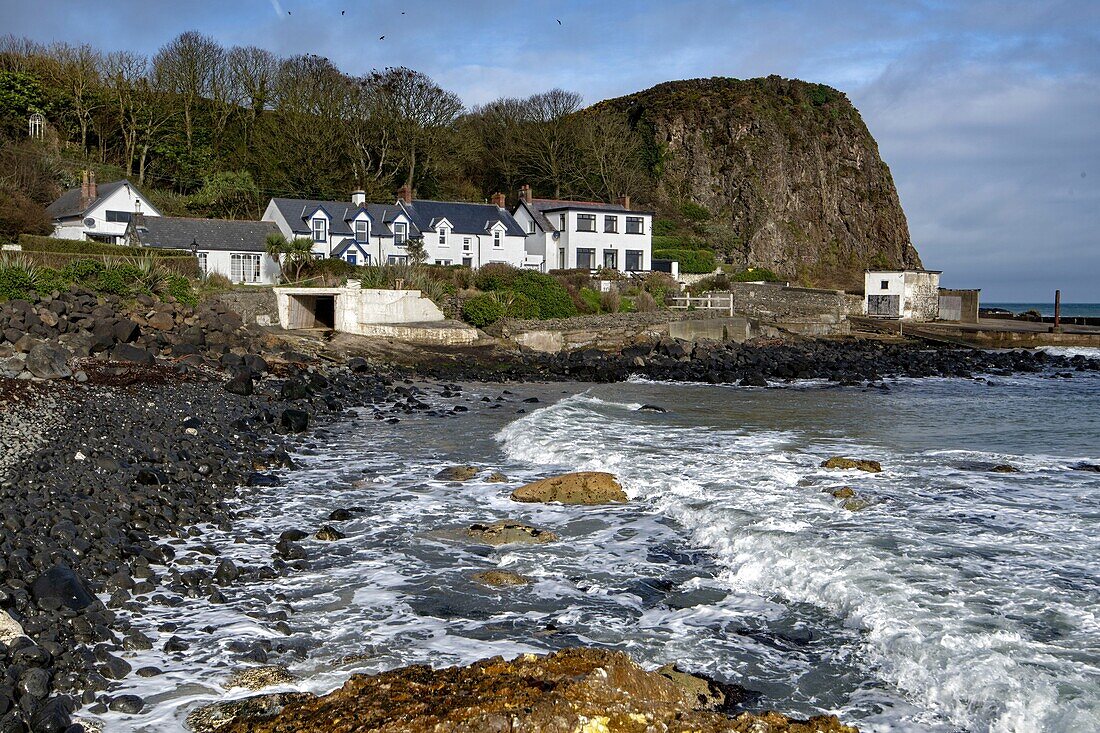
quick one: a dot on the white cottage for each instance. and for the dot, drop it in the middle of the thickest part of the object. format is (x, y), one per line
(586, 234)
(99, 213)
(235, 249)
(905, 294)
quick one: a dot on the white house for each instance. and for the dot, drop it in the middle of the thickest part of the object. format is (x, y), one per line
(586, 234)
(235, 249)
(905, 294)
(453, 233)
(98, 213)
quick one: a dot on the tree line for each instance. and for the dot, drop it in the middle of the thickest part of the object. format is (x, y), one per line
(215, 131)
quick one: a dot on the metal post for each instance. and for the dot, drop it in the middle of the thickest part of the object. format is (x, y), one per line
(1057, 309)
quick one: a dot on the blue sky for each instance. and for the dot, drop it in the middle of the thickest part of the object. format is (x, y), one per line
(987, 112)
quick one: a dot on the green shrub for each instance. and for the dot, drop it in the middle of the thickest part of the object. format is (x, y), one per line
(118, 279)
(694, 212)
(695, 261)
(591, 300)
(663, 227)
(180, 288)
(496, 276)
(678, 242)
(627, 305)
(16, 279)
(545, 291)
(83, 271)
(521, 307)
(49, 279)
(34, 243)
(483, 310)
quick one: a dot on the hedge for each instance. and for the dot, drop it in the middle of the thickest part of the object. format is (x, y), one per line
(677, 242)
(694, 261)
(544, 291)
(35, 243)
(186, 266)
(482, 310)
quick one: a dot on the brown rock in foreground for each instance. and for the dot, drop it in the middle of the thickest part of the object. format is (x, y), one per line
(845, 464)
(585, 487)
(571, 691)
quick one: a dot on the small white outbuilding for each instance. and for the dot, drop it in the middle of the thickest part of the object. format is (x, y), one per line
(911, 295)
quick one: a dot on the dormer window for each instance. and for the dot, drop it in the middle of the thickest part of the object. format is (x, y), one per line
(498, 240)
(361, 230)
(400, 233)
(442, 236)
(320, 230)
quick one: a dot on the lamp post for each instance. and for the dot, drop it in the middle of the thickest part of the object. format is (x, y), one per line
(194, 246)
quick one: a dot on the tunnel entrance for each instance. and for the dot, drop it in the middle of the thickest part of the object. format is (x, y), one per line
(324, 311)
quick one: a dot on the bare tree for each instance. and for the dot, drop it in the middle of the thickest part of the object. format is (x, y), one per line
(498, 129)
(186, 66)
(611, 155)
(419, 112)
(550, 139)
(77, 70)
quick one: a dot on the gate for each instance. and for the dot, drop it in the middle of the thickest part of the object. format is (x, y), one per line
(888, 306)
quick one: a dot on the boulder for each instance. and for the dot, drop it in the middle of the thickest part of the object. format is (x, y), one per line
(856, 504)
(240, 383)
(60, 583)
(257, 678)
(506, 532)
(48, 361)
(219, 716)
(499, 578)
(1004, 468)
(129, 704)
(329, 534)
(844, 492)
(585, 487)
(296, 421)
(579, 690)
(457, 473)
(10, 629)
(131, 353)
(847, 464)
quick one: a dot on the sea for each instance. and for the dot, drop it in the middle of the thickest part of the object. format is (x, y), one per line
(1087, 310)
(958, 599)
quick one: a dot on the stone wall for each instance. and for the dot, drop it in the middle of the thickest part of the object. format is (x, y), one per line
(807, 311)
(254, 305)
(614, 331)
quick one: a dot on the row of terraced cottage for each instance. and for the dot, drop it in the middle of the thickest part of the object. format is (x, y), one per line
(539, 234)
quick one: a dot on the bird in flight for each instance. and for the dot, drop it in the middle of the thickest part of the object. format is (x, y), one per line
(559, 20)
(381, 38)
(342, 12)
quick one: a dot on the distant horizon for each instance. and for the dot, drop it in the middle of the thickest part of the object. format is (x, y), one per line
(985, 112)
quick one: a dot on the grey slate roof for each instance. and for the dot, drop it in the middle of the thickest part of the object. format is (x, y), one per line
(465, 218)
(67, 204)
(297, 213)
(539, 209)
(177, 232)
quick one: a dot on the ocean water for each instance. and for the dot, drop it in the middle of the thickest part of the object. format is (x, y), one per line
(958, 600)
(1090, 310)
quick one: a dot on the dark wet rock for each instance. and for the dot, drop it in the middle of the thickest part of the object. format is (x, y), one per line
(856, 504)
(753, 380)
(240, 384)
(507, 532)
(329, 534)
(61, 584)
(847, 464)
(651, 408)
(1090, 467)
(1004, 468)
(220, 716)
(176, 644)
(844, 492)
(293, 535)
(296, 421)
(585, 487)
(341, 515)
(48, 361)
(54, 716)
(129, 704)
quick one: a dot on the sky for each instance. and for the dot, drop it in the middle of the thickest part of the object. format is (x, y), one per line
(988, 113)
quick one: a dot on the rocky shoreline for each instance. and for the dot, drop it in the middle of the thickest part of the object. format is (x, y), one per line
(157, 415)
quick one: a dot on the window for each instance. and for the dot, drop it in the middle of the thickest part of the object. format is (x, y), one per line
(611, 225)
(561, 258)
(468, 262)
(120, 216)
(885, 284)
(400, 233)
(561, 222)
(320, 230)
(351, 259)
(465, 244)
(498, 240)
(361, 230)
(586, 258)
(445, 263)
(633, 260)
(531, 227)
(586, 222)
(611, 259)
(397, 259)
(244, 268)
(634, 225)
(442, 236)
(201, 256)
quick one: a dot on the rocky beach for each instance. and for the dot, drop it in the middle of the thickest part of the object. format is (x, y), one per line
(134, 437)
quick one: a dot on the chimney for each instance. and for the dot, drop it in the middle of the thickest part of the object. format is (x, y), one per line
(525, 193)
(405, 194)
(498, 200)
(93, 194)
(359, 197)
(85, 200)
(624, 201)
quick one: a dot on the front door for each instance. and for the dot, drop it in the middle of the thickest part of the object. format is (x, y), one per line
(884, 305)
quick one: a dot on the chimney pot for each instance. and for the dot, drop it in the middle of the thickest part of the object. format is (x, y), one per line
(93, 194)
(525, 193)
(498, 200)
(405, 194)
(624, 201)
(84, 200)
(359, 197)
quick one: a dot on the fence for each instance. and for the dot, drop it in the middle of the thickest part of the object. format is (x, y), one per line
(709, 301)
